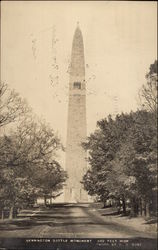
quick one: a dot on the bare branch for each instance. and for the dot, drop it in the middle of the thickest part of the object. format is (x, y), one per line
(148, 92)
(12, 106)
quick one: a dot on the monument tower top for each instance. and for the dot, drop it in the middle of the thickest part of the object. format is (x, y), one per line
(77, 68)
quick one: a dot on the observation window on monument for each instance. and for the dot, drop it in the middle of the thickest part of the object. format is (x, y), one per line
(77, 85)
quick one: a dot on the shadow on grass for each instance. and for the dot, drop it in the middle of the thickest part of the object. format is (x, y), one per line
(111, 213)
(26, 225)
(116, 212)
(127, 214)
(43, 214)
(151, 221)
(60, 217)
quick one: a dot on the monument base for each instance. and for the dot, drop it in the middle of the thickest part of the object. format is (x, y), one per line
(75, 195)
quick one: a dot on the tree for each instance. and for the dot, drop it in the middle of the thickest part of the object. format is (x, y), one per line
(28, 163)
(142, 164)
(102, 147)
(122, 156)
(28, 154)
(94, 184)
(148, 92)
(12, 106)
(49, 179)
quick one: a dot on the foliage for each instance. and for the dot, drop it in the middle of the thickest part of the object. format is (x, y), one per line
(28, 155)
(12, 106)
(122, 153)
(148, 92)
(122, 156)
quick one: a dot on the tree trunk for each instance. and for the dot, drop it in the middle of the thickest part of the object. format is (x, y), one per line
(50, 201)
(104, 204)
(140, 207)
(143, 207)
(11, 213)
(147, 210)
(2, 217)
(134, 209)
(45, 200)
(124, 206)
(118, 206)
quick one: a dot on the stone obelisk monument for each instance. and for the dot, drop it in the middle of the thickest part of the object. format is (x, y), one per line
(76, 127)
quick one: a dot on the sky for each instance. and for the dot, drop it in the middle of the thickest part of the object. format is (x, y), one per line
(120, 43)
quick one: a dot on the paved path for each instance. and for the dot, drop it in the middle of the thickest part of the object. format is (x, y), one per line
(67, 220)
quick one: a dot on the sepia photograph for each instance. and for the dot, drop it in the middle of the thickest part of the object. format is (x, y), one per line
(78, 125)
